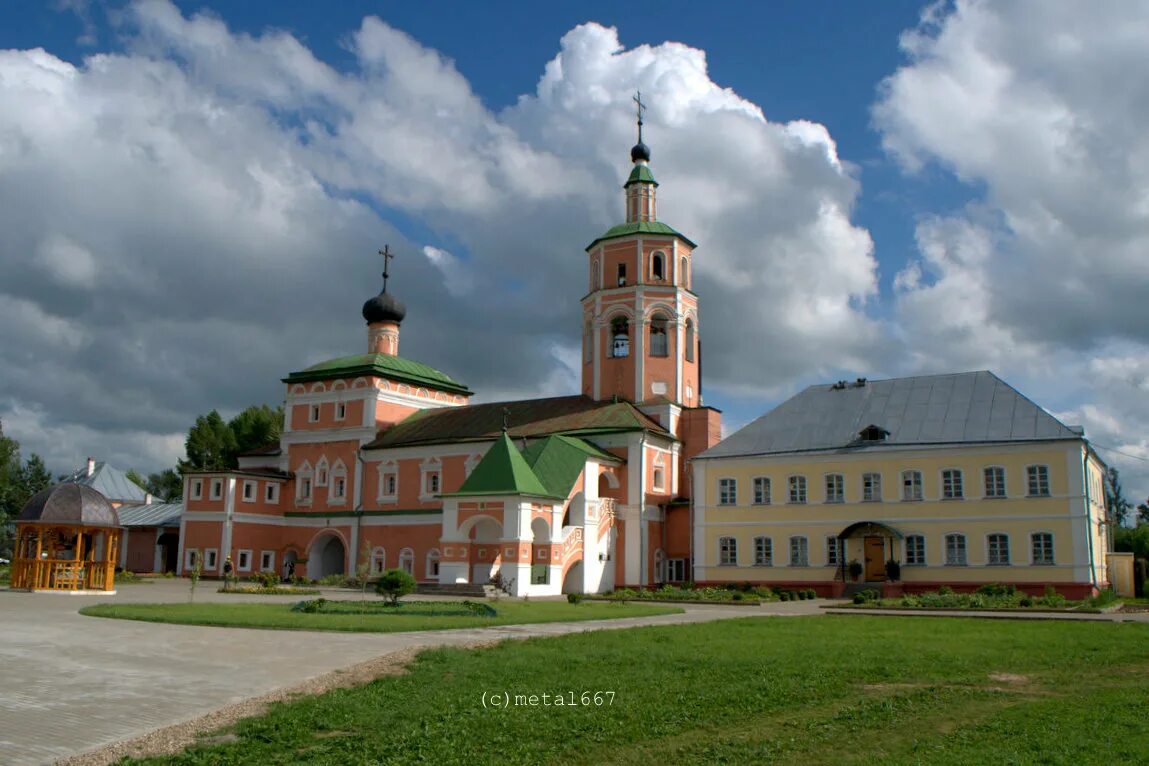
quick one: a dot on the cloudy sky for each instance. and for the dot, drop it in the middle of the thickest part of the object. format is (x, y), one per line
(191, 198)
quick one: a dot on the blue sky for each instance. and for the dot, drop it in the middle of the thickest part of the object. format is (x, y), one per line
(932, 224)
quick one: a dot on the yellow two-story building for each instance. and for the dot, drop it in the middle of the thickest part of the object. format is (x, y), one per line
(954, 480)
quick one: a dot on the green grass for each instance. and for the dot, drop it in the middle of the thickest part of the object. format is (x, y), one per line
(796, 690)
(281, 617)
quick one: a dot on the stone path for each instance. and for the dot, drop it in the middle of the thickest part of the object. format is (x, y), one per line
(69, 684)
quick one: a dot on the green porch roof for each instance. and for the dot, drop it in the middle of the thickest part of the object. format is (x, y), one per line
(503, 471)
(558, 460)
(384, 366)
(639, 227)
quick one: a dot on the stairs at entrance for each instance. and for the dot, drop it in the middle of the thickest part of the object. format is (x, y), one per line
(464, 590)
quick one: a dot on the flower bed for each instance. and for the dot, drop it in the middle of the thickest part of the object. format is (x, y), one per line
(993, 596)
(276, 590)
(402, 608)
(709, 595)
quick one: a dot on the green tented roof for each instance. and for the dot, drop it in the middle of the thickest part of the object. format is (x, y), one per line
(558, 460)
(640, 174)
(503, 471)
(639, 227)
(384, 366)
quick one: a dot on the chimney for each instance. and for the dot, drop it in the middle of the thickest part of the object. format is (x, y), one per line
(91, 466)
(148, 499)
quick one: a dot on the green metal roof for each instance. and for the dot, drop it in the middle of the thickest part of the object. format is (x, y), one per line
(503, 471)
(640, 174)
(384, 366)
(639, 227)
(558, 460)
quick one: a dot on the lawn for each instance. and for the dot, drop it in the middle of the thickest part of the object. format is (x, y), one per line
(796, 690)
(280, 616)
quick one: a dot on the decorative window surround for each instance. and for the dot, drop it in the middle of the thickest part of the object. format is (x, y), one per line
(243, 562)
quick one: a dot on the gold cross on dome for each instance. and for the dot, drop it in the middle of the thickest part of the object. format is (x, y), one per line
(387, 256)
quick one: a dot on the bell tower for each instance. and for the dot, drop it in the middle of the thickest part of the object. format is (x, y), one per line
(640, 316)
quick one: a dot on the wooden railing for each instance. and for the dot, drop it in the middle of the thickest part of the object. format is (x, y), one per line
(48, 574)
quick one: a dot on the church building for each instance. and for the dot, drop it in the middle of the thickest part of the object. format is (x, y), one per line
(384, 462)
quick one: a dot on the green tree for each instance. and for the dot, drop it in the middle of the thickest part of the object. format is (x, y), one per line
(210, 445)
(167, 485)
(135, 478)
(18, 482)
(395, 583)
(257, 426)
(1134, 540)
(1115, 503)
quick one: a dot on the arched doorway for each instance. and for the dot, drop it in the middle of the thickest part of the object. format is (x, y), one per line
(572, 580)
(328, 557)
(485, 556)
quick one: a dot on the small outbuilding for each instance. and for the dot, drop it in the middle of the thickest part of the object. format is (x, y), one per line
(67, 538)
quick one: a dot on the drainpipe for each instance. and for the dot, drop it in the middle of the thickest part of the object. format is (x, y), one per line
(642, 541)
(358, 511)
(1088, 516)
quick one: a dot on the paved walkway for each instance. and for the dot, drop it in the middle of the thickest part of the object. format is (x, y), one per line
(69, 684)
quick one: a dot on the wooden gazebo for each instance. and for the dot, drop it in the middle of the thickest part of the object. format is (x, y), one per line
(67, 538)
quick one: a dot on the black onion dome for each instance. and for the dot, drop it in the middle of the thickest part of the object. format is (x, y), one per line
(70, 504)
(384, 308)
(640, 152)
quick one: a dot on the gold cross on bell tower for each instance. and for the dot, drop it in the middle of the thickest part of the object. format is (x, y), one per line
(387, 256)
(640, 108)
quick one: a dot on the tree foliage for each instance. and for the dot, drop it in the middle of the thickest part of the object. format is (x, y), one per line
(167, 485)
(395, 583)
(1134, 540)
(1115, 503)
(18, 482)
(214, 445)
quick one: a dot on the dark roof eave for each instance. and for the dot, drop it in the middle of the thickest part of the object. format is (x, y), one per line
(375, 445)
(644, 235)
(851, 447)
(359, 370)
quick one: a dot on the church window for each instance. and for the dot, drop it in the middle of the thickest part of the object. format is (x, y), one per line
(216, 489)
(313, 414)
(378, 560)
(595, 277)
(683, 273)
(658, 339)
(433, 482)
(407, 561)
(433, 563)
(337, 492)
(619, 337)
(621, 274)
(340, 411)
(321, 473)
(249, 492)
(689, 340)
(272, 492)
(197, 489)
(658, 267)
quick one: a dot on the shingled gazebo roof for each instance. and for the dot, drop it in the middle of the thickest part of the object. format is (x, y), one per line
(69, 504)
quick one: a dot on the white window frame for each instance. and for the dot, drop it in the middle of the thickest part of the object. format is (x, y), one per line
(835, 487)
(922, 544)
(727, 551)
(253, 487)
(762, 490)
(388, 470)
(995, 558)
(378, 560)
(267, 561)
(872, 487)
(341, 411)
(433, 557)
(953, 484)
(800, 545)
(338, 475)
(658, 474)
(727, 491)
(304, 488)
(216, 489)
(322, 472)
(407, 561)
(833, 551)
(271, 493)
(951, 560)
(240, 565)
(313, 413)
(763, 551)
(210, 559)
(798, 491)
(429, 467)
(197, 489)
(992, 486)
(1043, 561)
(1041, 472)
(912, 486)
(190, 555)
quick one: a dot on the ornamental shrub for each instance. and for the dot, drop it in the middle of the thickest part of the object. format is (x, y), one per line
(574, 598)
(395, 583)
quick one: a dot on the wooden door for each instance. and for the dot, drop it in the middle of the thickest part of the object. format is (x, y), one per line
(875, 558)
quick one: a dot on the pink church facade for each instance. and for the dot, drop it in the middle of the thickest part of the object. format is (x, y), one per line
(385, 463)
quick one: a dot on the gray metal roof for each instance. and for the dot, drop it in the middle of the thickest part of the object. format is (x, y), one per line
(959, 408)
(152, 515)
(110, 482)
